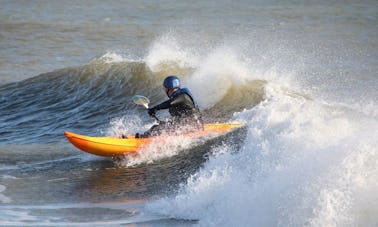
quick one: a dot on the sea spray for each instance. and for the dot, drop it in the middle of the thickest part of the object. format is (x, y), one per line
(302, 164)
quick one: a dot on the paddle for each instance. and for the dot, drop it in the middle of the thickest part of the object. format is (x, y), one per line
(143, 101)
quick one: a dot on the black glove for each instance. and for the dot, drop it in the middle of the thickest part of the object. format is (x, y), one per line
(152, 111)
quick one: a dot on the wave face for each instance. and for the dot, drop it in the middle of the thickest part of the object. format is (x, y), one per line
(86, 98)
(40, 108)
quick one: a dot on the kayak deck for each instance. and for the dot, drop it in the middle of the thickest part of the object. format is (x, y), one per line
(112, 146)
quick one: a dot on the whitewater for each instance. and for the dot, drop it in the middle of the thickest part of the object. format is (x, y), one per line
(306, 160)
(301, 77)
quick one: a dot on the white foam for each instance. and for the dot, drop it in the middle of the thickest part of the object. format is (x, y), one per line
(125, 125)
(3, 198)
(116, 57)
(157, 150)
(212, 71)
(219, 71)
(303, 163)
(297, 165)
(167, 49)
(8, 167)
(8, 177)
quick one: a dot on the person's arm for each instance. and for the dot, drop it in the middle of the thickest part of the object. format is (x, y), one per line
(163, 105)
(181, 99)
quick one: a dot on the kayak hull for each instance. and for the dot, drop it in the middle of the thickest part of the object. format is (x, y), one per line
(112, 146)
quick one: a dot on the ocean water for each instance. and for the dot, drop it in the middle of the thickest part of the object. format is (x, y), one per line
(302, 77)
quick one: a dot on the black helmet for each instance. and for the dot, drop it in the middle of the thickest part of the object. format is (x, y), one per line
(171, 82)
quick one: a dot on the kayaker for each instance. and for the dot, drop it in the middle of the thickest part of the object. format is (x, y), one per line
(186, 116)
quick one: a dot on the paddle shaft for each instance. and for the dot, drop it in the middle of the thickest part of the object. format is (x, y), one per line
(154, 116)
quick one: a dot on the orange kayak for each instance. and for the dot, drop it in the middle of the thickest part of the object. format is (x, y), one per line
(112, 146)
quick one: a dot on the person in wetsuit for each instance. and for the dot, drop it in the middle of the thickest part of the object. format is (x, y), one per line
(186, 116)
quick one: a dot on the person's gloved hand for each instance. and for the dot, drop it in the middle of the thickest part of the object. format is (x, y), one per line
(152, 111)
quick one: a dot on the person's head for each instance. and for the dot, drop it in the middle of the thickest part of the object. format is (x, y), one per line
(171, 84)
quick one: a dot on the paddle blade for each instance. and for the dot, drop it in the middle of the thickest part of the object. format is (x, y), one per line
(141, 100)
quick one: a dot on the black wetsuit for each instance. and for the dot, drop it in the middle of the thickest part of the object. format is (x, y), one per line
(185, 114)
